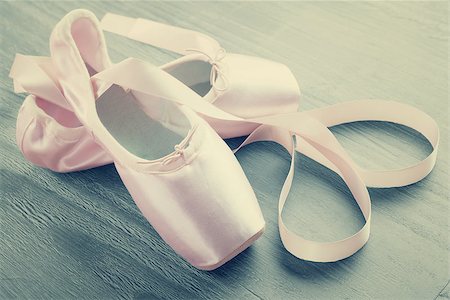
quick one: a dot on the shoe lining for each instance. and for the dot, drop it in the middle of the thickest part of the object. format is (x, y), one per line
(149, 134)
(63, 116)
(195, 74)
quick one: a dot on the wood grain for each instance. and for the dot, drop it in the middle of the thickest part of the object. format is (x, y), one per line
(80, 235)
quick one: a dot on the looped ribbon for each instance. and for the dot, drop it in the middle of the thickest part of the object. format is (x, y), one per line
(217, 68)
(314, 139)
(35, 75)
(308, 128)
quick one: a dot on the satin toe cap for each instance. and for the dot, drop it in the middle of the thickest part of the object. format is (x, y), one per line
(206, 210)
(258, 87)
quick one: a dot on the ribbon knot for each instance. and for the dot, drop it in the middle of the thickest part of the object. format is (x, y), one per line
(217, 67)
(179, 152)
(179, 148)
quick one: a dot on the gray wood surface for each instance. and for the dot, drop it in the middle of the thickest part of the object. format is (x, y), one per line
(80, 235)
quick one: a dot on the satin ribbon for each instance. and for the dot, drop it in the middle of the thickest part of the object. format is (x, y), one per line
(182, 41)
(216, 68)
(308, 129)
(175, 39)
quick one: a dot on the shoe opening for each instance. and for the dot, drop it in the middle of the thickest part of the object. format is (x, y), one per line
(147, 126)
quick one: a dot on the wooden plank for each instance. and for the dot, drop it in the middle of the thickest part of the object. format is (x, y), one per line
(80, 235)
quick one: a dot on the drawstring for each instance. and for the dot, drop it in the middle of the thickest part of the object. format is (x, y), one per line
(216, 68)
(179, 152)
(179, 149)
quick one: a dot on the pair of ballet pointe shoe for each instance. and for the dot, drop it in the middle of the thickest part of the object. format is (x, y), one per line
(162, 127)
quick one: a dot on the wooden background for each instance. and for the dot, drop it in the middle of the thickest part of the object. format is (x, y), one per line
(80, 235)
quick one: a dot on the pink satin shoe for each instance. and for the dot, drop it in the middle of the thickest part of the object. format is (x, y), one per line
(181, 174)
(51, 135)
(244, 86)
